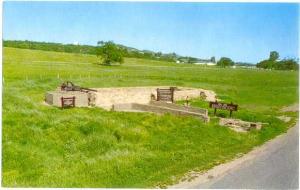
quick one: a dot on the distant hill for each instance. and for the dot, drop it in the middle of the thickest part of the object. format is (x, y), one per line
(88, 49)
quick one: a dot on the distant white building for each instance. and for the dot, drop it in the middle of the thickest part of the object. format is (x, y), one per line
(196, 61)
(206, 63)
(211, 64)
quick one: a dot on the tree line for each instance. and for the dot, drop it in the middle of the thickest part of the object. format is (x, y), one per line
(124, 51)
(48, 46)
(272, 62)
(109, 53)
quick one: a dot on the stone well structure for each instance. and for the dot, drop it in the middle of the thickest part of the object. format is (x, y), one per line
(108, 97)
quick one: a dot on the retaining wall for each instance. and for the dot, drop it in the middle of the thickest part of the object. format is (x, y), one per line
(107, 97)
(54, 98)
(161, 109)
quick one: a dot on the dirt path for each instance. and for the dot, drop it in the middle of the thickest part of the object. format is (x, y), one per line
(291, 108)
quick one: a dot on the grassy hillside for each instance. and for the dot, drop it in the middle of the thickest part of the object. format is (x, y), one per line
(45, 146)
(92, 50)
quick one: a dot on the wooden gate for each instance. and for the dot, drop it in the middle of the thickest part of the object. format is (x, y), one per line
(166, 95)
(68, 102)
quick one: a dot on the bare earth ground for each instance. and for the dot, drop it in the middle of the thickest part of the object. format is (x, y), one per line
(292, 108)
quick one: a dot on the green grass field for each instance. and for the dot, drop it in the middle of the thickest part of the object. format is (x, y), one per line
(44, 146)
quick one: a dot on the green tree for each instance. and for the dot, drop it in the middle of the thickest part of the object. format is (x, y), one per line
(273, 63)
(225, 62)
(109, 53)
(270, 63)
(158, 54)
(263, 64)
(288, 64)
(274, 55)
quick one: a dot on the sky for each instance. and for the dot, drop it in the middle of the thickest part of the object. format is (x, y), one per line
(244, 32)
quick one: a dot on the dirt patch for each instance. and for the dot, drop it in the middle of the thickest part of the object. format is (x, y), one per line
(284, 118)
(291, 108)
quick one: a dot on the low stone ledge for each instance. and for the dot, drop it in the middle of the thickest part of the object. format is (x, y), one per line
(134, 107)
(239, 125)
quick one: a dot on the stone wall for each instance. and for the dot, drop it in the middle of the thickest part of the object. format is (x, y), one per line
(54, 98)
(182, 93)
(107, 97)
(161, 109)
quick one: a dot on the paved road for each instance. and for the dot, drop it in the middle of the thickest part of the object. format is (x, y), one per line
(278, 167)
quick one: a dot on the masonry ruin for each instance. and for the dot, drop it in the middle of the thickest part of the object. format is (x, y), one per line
(157, 99)
(69, 95)
(109, 97)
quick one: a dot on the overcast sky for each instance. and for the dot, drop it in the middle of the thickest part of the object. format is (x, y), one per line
(243, 32)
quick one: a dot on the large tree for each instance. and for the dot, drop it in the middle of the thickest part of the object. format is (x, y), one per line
(274, 55)
(109, 53)
(225, 62)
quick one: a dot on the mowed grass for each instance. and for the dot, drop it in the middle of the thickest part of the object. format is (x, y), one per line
(44, 146)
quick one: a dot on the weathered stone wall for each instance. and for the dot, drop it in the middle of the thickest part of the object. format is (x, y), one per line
(54, 98)
(161, 109)
(182, 93)
(107, 97)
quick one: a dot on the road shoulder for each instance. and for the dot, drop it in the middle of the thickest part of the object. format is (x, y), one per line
(221, 170)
